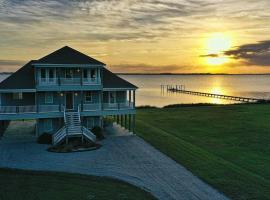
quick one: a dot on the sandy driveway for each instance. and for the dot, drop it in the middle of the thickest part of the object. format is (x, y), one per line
(128, 158)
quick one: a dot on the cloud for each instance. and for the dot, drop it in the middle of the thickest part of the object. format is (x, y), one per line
(10, 65)
(252, 54)
(11, 62)
(212, 55)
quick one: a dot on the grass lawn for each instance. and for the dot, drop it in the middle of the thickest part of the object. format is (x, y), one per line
(226, 146)
(27, 185)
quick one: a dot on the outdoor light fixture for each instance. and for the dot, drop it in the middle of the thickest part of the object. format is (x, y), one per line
(61, 94)
(78, 70)
(76, 94)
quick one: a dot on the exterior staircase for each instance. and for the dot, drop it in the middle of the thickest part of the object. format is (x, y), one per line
(72, 128)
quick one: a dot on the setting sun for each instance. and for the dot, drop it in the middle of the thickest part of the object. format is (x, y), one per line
(216, 44)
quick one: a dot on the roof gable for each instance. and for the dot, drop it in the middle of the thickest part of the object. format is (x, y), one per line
(67, 55)
(23, 78)
(111, 80)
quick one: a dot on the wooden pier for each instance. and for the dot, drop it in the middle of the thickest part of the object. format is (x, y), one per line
(182, 89)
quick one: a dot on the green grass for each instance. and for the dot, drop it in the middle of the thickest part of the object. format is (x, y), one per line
(27, 185)
(226, 146)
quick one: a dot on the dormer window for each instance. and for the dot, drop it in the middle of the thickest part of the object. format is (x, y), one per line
(48, 75)
(69, 73)
(18, 96)
(93, 73)
(43, 73)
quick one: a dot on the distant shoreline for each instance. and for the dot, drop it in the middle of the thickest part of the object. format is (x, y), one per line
(207, 74)
(158, 74)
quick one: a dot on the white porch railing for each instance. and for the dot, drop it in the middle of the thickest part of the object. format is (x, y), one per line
(49, 108)
(91, 107)
(28, 109)
(57, 108)
(118, 106)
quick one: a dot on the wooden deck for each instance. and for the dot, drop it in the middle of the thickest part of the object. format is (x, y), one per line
(181, 89)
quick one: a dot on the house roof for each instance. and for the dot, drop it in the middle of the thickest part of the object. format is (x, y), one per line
(21, 79)
(67, 55)
(110, 80)
(24, 78)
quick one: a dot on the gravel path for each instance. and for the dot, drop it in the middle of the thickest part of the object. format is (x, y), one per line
(128, 158)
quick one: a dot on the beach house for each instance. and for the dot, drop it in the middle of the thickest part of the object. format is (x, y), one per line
(67, 93)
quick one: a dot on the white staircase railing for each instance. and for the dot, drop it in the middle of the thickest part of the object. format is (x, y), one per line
(59, 136)
(72, 127)
(89, 134)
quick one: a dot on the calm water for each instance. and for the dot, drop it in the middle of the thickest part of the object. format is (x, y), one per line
(149, 92)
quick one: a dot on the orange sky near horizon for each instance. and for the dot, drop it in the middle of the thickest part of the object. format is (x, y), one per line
(135, 36)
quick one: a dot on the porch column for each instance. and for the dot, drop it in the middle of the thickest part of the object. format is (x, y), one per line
(121, 116)
(133, 124)
(129, 98)
(81, 75)
(117, 119)
(81, 99)
(36, 127)
(129, 122)
(36, 102)
(134, 99)
(126, 122)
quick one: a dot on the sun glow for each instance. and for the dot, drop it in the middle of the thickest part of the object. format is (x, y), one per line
(216, 44)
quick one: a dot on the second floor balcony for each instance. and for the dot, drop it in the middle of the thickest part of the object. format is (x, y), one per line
(46, 77)
(68, 81)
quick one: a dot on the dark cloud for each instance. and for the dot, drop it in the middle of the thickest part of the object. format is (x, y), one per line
(212, 55)
(252, 54)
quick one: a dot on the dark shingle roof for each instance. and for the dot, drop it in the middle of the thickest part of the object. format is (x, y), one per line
(67, 55)
(21, 79)
(110, 80)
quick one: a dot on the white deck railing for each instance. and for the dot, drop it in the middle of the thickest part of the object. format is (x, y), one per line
(57, 108)
(68, 81)
(28, 109)
(91, 107)
(118, 106)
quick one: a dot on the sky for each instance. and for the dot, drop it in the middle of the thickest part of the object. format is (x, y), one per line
(141, 36)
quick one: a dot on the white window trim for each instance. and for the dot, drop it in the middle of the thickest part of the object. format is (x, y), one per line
(71, 74)
(85, 97)
(20, 96)
(114, 94)
(47, 76)
(46, 95)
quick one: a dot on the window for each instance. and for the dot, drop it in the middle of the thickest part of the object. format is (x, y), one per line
(48, 97)
(88, 97)
(51, 74)
(93, 73)
(43, 73)
(69, 73)
(112, 97)
(17, 96)
(48, 125)
(85, 73)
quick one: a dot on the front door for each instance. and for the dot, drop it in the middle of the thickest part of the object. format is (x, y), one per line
(69, 100)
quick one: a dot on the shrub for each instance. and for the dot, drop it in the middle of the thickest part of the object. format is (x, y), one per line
(98, 132)
(45, 138)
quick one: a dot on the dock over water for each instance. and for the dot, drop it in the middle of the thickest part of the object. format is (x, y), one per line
(182, 89)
